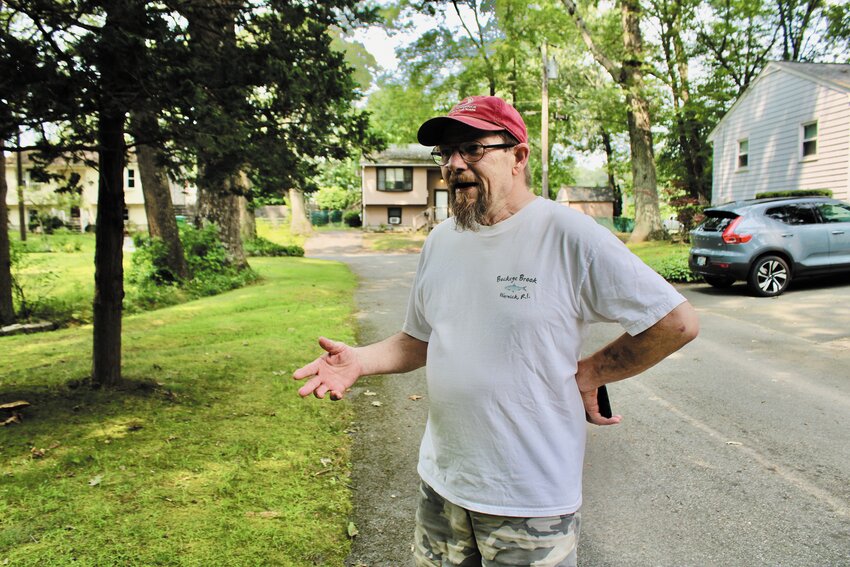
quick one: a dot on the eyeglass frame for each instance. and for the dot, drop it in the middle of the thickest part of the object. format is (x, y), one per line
(437, 156)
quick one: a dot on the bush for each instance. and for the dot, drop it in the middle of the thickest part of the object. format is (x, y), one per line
(263, 247)
(795, 193)
(352, 219)
(674, 269)
(210, 270)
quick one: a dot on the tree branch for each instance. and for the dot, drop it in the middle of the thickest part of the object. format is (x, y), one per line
(612, 68)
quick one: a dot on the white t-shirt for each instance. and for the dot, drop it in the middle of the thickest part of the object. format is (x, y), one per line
(503, 311)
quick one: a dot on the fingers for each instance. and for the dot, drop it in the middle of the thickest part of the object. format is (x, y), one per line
(308, 370)
(598, 419)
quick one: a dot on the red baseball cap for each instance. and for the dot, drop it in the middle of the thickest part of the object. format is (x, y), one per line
(488, 113)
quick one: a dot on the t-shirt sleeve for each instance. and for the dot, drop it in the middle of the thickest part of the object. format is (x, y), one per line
(619, 287)
(415, 323)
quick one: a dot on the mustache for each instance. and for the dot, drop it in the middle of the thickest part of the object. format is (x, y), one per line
(461, 182)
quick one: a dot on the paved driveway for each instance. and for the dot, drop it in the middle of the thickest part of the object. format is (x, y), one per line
(736, 451)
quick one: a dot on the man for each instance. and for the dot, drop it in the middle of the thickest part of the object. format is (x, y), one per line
(503, 292)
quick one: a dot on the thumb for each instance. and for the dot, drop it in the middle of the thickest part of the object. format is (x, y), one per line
(331, 347)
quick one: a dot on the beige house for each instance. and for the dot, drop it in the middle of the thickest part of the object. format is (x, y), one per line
(402, 188)
(597, 202)
(80, 211)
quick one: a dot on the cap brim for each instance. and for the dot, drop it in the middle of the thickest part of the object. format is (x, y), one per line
(431, 132)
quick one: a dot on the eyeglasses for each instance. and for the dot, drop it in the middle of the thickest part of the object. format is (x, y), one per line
(470, 152)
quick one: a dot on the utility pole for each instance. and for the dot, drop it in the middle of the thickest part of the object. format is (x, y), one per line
(544, 124)
(21, 209)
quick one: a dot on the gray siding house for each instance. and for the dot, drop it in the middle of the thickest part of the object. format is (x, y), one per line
(789, 130)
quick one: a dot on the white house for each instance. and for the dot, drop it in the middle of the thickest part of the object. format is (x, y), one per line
(789, 130)
(80, 211)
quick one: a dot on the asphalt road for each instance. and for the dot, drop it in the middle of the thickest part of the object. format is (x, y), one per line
(733, 452)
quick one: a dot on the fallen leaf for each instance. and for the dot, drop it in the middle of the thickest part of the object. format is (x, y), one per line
(414, 397)
(37, 453)
(96, 480)
(369, 393)
(352, 530)
(267, 514)
(377, 404)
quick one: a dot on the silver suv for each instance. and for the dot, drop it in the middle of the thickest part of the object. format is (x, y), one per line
(768, 242)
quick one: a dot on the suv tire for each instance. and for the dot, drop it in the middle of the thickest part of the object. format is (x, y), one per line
(769, 276)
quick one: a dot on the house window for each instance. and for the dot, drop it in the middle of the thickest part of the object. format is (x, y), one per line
(810, 139)
(394, 215)
(743, 153)
(395, 179)
(131, 178)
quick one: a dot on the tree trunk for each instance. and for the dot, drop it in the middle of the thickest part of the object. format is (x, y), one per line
(159, 209)
(629, 76)
(247, 221)
(219, 205)
(108, 258)
(298, 212)
(212, 27)
(115, 57)
(7, 311)
(647, 214)
(612, 178)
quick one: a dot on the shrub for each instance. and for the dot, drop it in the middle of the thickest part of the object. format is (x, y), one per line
(795, 193)
(352, 219)
(675, 269)
(263, 247)
(210, 270)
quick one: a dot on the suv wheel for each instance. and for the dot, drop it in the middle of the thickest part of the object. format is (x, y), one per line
(769, 276)
(719, 281)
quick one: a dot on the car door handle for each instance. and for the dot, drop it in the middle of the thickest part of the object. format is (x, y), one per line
(789, 235)
(837, 232)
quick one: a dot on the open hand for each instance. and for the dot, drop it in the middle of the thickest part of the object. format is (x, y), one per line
(335, 371)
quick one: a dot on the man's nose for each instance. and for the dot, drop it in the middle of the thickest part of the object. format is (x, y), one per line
(455, 161)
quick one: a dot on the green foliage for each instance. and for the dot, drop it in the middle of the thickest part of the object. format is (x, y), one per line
(210, 270)
(263, 247)
(670, 260)
(795, 193)
(352, 219)
(193, 461)
(675, 269)
(336, 198)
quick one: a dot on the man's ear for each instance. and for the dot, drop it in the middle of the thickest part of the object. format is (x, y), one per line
(521, 153)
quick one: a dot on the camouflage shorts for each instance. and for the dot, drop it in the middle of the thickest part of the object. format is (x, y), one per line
(450, 536)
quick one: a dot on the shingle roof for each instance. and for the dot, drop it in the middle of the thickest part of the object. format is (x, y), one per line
(834, 73)
(407, 154)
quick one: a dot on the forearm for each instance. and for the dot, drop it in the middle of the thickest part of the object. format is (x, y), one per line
(395, 354)
(630, 355)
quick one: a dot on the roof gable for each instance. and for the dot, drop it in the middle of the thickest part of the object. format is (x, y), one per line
(830, 75)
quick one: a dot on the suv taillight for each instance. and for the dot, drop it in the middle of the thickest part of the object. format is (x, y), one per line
(732, 237)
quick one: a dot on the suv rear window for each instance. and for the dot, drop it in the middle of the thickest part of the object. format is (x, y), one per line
(717, 222)
(793, 214)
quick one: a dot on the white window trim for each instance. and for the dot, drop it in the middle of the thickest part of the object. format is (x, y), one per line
(738, 154)
(803, 140)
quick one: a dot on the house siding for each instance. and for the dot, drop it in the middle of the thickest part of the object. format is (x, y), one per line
(42, 197)
(770, 116)
(413, 204)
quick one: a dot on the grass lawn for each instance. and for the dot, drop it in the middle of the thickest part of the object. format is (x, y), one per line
(206, 457)
(394, 241)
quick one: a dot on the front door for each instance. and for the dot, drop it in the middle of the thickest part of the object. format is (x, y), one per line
(441, 205)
